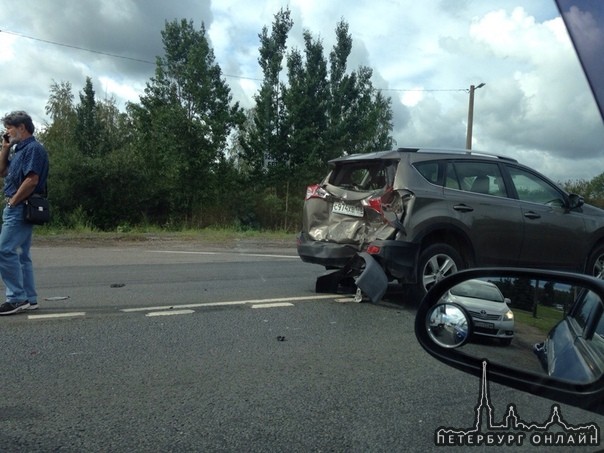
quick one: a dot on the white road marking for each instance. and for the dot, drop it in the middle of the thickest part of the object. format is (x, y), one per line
(278, 304)
(170, 313)
(262, 255)
(58, 315)
(345, 300)
(235, 302)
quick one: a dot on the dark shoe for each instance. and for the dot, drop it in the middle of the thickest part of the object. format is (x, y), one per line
(32, 306)
(10, 308)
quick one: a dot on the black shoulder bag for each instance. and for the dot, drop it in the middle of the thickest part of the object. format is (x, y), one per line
(37, 209)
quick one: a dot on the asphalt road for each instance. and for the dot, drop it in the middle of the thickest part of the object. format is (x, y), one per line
(169, 347)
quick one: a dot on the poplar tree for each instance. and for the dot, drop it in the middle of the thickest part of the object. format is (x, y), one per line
(183, 122)
(88, 136)
(266, 136)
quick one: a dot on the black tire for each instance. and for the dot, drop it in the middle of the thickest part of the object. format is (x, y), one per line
(436, 262)
(506, 341)
(595, 263)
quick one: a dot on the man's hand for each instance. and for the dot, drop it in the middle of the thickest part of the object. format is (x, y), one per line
(4, 156)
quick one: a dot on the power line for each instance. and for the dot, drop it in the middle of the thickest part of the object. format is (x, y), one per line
(140, 60)
(76, 47)
(422, 90)
(70, 46)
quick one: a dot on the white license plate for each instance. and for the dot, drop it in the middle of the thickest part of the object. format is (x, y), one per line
(484, 325)
(347, 209)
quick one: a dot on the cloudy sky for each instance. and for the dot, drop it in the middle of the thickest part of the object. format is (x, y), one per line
(535, 106)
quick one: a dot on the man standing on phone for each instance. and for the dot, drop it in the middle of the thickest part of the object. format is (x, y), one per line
(25, 170)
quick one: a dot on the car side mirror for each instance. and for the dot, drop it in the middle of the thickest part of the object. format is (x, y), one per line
(575, 201)
(540, 331)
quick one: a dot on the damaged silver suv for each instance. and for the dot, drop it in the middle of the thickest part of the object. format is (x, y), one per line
(417, 215)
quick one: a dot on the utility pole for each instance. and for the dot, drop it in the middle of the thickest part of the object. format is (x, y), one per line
(471, 115)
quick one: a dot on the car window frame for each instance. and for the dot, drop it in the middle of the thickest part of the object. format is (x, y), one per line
(446, 164)
(513, 192)
(581, 328)
(387, 167)
(455, 166)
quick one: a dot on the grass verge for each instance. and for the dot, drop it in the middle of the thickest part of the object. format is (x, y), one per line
(215, 235)
(547, 317)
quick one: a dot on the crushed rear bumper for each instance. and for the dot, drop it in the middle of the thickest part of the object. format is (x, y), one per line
(367, 273)
(389, 260)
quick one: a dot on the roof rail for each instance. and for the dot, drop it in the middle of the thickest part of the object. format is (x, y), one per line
(455, 151)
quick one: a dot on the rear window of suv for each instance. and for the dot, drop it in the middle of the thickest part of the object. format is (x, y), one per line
(363, 176)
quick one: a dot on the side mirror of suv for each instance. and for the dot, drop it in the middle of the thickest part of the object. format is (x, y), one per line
(549, 340)
(575, 201)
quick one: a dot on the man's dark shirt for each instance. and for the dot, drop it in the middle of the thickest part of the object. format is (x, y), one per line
(29, 157)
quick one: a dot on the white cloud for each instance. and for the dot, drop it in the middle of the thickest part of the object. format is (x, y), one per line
(126, 91)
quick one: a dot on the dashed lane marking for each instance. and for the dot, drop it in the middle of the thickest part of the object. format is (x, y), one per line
(169, 313)
(278, 304)
(73, 314)
(259, 255)
(227, 303)
(186, 309)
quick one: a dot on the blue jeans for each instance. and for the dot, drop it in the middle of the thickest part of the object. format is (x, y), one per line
(16, 268)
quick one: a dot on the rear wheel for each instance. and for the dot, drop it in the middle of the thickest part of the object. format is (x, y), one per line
(436, 262)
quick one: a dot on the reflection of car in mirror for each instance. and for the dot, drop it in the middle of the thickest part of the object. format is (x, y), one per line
(488, 308)
(574, 348)
(448, 325)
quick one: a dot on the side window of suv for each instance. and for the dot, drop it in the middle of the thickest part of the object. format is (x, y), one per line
(530, 187)
(478, 177)
(428, 170)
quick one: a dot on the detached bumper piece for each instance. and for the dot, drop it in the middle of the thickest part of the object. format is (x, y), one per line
(372, 280)
(367, 273)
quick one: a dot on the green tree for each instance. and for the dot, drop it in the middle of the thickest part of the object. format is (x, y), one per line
(183, 123)
(266, 135)
(306, 102)
(343, 93)
(58, 137)
(592, 191)
(305, 98)
(360, 117)
(370, 121)
(88, 136)
(61, 111)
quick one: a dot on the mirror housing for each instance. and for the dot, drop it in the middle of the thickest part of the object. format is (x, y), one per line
(575, 201)
(586, 395)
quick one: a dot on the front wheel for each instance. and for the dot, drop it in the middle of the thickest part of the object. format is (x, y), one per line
(595, 263)
(435, 263)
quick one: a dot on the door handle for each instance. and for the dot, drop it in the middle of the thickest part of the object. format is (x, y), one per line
(463, 208)
(532, 215)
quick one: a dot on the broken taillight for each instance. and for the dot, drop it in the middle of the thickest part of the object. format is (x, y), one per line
(373, 250)
(374, 204)
(377, 203)
(315, 191)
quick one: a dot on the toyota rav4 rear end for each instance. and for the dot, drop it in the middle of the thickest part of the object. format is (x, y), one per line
(361, 203)
(345, 211)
